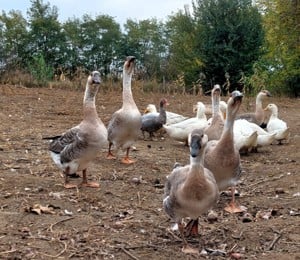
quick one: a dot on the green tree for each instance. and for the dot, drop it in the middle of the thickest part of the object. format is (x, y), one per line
(230, 35)
(46, 37)
(147, 41)
(183, 57)
(280, 66)
(13, 34)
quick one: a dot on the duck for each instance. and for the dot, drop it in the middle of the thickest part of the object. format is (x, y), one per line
(73, 150)
(215, 127)
(180, 131)
(258, 117)
(276, 125)
(125, 124)
(154, 122)
(227, 170)
(190, 190)
(172, 118)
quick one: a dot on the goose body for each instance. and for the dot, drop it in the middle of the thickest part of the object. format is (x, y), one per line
(276, 125)
(190, 190)
(215, 127)
(180, 131)
(76, 148)
(172, 118)
(258, 117)
(227, 170)
(125, 124)
(245, 142)
(153, 122)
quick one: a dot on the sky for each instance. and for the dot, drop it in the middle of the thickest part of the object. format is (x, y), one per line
(120, 10)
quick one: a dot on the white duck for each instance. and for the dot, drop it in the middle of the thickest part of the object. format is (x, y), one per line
(222, 157)
(215, 127)
(172, 118)
(180, 131)
(190, 190)
(125, 124)
(276, 125)
(258, 117)
(76, 148)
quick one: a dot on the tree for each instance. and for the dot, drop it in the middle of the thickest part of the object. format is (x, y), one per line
(280, 66)
(230, 35)
(13, 34)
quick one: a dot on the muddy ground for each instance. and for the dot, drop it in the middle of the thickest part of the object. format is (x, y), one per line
(124, 219)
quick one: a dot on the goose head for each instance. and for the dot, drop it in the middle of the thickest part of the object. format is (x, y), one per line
(163, 103)
(234, 102)
(272, 107)
(92, 85)
(151, 108)
(216, 91)
(264, 93)
(197, 141)
(129, 65)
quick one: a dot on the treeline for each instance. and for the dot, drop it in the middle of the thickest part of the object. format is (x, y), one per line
(235, 43)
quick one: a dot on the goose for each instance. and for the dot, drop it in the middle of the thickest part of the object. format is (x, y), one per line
(215, 128)
(245, 127)
(153, 122)
(180, 131)
(245, 142)
(125, 124)
(77, 147)
(227, 170)
(190, 190)
(172, 118)
(258, 117)
(276, 125)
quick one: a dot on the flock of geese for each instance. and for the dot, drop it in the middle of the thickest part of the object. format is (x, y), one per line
(214, 144)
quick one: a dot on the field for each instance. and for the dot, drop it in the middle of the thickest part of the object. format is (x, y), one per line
(124, 219)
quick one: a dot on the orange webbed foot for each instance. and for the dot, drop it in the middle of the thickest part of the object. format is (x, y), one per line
(127, 160)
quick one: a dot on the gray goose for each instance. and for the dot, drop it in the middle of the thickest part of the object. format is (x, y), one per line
(152, 122)
(190, 190)
(258, 117)
(214, 130)
(77, 147)
(227, 170)
(125, 124)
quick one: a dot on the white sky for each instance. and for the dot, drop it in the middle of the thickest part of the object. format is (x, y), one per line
(120, 10)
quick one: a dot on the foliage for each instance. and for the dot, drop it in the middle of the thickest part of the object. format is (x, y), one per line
(281, 62)
(229, 37)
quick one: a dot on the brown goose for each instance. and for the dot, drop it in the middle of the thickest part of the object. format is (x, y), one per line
(153, 122)
(214, 130)
(258, 117)
(76, 148)
(227, 170)
(190, 190)
(125, 124)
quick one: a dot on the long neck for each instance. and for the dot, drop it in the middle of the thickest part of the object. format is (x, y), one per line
(89, 107)
(274, 113)
(228, 126)
(259, 112)
(127, 93)
(216, 105)
(200, 113)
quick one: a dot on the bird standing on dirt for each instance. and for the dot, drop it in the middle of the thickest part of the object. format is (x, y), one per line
(153, 122)
(192, 189)
(76, 148)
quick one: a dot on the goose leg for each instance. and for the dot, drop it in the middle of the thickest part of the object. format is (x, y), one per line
(191, 228)
(186, 248)
(110, 156)
(85, 182)
(233, 207)
(68, 185)
(126, 159)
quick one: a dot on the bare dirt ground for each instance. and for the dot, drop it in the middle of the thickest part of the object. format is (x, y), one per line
(124, 219)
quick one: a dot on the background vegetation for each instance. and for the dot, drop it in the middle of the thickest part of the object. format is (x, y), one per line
(235, 43)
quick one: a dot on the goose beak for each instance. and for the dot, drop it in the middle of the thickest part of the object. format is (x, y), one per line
(96, 79)
(269, 94)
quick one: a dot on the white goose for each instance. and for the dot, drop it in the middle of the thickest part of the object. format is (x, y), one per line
(276, 125)
(190, 190)
(180, 131)
(222, 157)
(76, 148)
(172, 118)
(258, 117)
(125, 124)
(215, 127)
